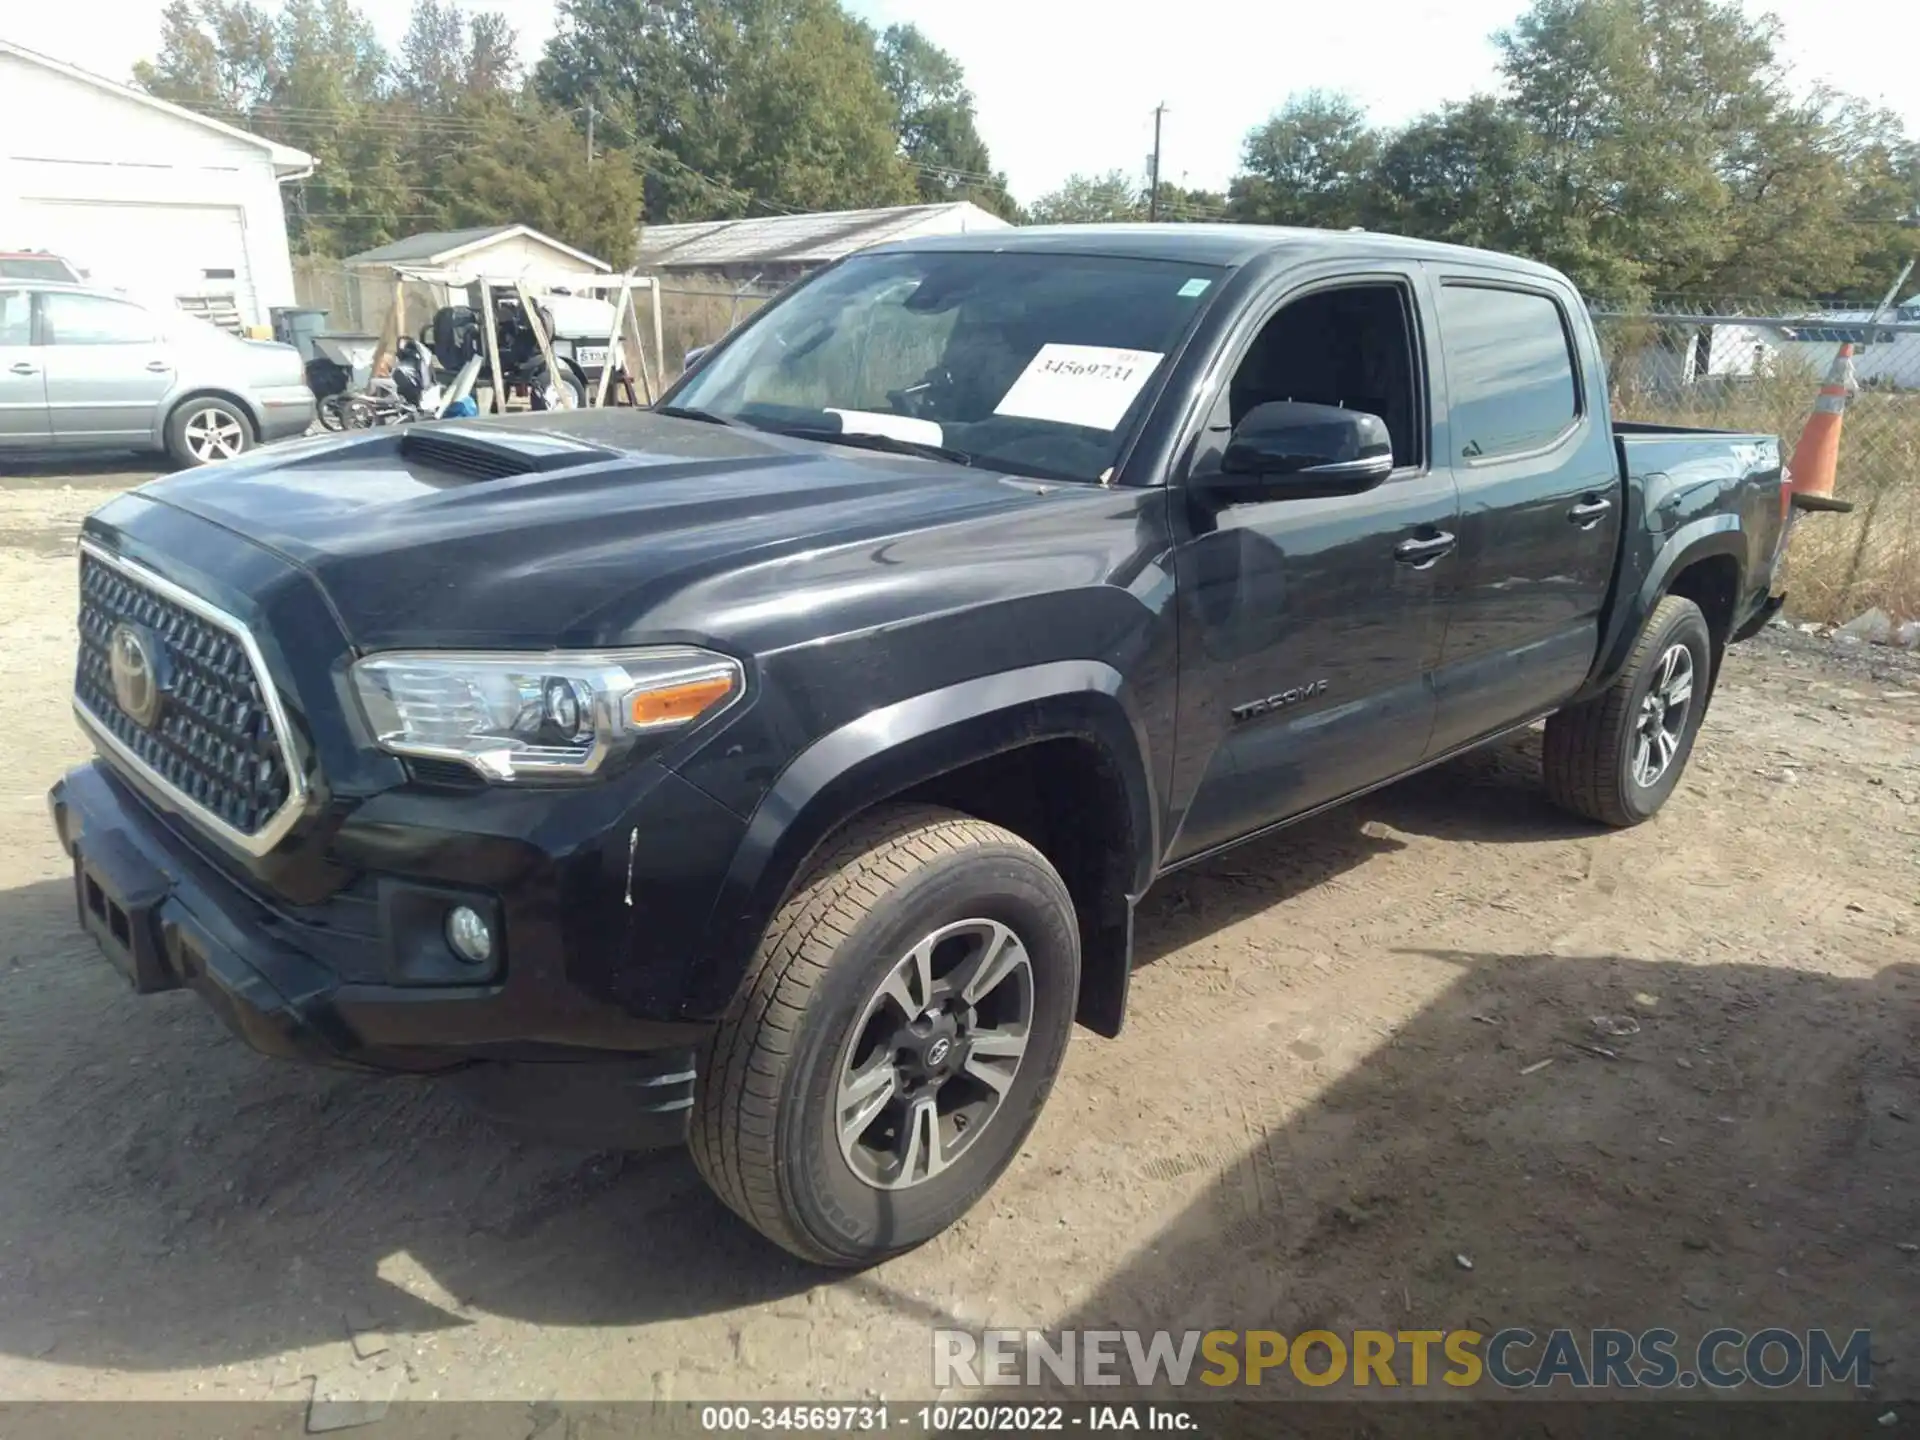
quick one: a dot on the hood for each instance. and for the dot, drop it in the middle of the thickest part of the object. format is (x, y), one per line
(594, 528)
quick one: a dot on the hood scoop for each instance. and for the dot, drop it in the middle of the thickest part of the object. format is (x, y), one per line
(481, 452)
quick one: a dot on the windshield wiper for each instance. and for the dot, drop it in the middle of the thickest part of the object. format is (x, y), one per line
(892, 444)
(688, 412)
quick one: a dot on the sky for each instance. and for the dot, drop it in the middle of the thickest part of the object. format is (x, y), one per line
(1064, 86)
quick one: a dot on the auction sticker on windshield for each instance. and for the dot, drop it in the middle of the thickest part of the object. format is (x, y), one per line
(1090, 385)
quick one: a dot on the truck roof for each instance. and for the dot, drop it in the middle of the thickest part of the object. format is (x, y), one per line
(1228, 245)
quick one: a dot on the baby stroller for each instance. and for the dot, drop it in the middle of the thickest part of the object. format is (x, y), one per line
(400, 391)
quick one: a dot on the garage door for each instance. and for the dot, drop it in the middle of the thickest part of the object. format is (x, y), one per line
(193, 255)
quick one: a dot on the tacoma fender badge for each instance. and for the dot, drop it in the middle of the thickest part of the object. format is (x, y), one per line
(1268, 704)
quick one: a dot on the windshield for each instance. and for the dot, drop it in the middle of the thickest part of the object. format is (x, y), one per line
(1036, 364)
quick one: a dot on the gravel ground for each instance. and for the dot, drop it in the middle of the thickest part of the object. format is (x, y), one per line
(1330, 1089)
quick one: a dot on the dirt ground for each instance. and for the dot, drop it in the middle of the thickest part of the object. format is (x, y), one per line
(1330, 1089)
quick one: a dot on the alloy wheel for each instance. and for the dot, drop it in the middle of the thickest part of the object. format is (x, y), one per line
(935, 1051)
(213, 434)
(1663, 716)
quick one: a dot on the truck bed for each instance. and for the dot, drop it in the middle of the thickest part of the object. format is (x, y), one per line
(1682, 478)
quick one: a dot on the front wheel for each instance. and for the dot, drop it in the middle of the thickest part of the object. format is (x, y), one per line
(900, 1030)
(1617, 757)
(205, 429)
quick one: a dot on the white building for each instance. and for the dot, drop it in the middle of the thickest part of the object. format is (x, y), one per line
(141, 194)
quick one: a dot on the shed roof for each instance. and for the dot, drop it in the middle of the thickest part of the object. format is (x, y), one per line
(437, 247)
(813, 239)
(288, 163)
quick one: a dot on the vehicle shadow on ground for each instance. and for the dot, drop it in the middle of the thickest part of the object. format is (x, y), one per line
(170, 1199)
(1746, 1157)
(1489, 796)
(113, 469)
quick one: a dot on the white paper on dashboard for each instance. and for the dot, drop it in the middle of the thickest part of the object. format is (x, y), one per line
(895, 427)
(1089, 385)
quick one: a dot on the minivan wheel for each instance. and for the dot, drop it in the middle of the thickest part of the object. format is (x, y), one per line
(901, 1028)
(1617, 757)
(205, 428)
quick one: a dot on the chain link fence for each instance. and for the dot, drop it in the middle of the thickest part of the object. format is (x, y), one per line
(1756, 364)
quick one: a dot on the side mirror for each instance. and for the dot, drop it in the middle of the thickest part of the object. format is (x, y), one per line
(694, 357)
(1285, 450)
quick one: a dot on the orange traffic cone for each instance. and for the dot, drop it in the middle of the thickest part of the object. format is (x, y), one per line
(1817, 455)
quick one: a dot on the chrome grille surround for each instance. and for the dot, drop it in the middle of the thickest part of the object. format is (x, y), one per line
(222, 749)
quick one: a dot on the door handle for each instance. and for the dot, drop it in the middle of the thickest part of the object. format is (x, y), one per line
(1422, 553)
(1588, 512)
(159, 367)
(23, 368)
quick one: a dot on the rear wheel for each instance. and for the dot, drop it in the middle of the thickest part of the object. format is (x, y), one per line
(206, 428)
(1617, 757)
(901, 1028)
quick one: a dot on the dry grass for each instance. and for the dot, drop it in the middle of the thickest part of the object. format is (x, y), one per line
(1839, 565)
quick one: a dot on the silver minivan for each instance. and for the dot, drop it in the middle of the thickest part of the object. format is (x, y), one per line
(85, 367)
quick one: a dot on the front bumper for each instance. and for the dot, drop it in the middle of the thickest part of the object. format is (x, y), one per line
(297, 985)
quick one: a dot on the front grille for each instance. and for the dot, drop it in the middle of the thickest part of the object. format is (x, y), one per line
(213, 741)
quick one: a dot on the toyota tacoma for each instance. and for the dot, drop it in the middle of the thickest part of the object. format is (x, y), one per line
(779, 769)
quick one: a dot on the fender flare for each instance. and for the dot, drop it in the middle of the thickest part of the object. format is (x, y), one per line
(890, 750)
(1695, 541)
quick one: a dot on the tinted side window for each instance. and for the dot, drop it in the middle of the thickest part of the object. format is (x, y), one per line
(92, 320)
(16, 318)
(1509, 367)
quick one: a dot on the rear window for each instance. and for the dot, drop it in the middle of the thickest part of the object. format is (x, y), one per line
(35, 267)
(1509, 370)
(71, 319)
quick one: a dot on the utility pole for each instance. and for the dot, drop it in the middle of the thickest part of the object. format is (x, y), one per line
(590, 115)
(1153, 194)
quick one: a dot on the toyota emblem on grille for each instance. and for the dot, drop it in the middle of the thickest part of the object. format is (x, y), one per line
(134, 662)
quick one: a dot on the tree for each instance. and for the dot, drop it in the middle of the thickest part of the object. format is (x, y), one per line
(312, 76)
(934, 116)
(1310, 164)
(527, 162)
(1671, 154)
(448, 57)
(1089, 200)
(741, 105)
(1464, 175)
(1193, 207)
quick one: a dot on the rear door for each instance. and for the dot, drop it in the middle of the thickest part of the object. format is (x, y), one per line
(23, 392)
(1531, 452)
(107, 368)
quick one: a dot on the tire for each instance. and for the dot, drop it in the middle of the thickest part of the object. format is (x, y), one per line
(206, 428)
(1591, 757)
(572, 389)
(766, 1132)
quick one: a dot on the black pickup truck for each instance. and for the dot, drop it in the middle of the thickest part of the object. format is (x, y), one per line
(779, 769)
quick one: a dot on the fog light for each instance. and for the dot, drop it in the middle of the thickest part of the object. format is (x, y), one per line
(469, 935)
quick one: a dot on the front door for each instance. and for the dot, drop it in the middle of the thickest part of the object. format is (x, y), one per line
(1309, 628)
(107, 369)
(23, 389)
(1540, 498)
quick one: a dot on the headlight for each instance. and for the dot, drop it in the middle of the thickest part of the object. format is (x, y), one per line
(514, 717)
